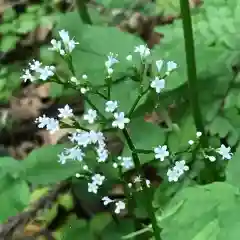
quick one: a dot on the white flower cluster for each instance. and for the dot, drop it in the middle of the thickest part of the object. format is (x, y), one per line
(119, 205)
(177, 171)
(97, 181)
(37, 71)
(65, 45)
(112, 60)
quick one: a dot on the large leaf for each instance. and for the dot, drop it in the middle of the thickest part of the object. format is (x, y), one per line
(145, 135)
(96, 42)
(14, 196)
(42, 166)
(182, 212)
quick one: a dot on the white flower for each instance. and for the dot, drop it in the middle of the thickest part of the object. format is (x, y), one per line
(92, 187)
(143, 50)
(161, 152)
(65, 112)
(98, 179)
(75, 153)
(90, 116)
(84, 90)
(148, 183)
(64, 36)
(211, 158)
(180, 167)
(120, 205)
(75, 80)
(137, 179)
(171, 66)
(62, 158)
(96, 137)
(126, 162)
(115, 165)
(158, 84)
(129, 58)
(84, 76)
(198, 134)
(102, 155)
(77, 175)
(111, 60)
(53, 125)
(81, 138)
(27, 76)
(159, 65)
(46, 72)
(71, 45)
(57, 46)
(120, 120)
(190, 142)
(111, 106)
(106, 201)
(85, 167)
(35, 65)
(173, 175)
(110, 71)
(225, 152)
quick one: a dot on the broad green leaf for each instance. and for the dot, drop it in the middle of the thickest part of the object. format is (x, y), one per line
(9, 14)
(210, 200)
(145, 135)
(90, 55)
(14, 195)
(10, 166)
(8, 43)
(99, 222)
(42, 166)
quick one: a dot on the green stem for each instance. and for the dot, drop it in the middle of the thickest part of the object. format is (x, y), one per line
(83, 11)
(191, 69)
(148, 200)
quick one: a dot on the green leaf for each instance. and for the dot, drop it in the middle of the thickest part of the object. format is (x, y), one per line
(90, 55)
(145, 136)
(14, 195)
(42, 166)
(210, 200)
(27, 23)
(10, 166)
(99, 222)
(8, 43)
(9, 14)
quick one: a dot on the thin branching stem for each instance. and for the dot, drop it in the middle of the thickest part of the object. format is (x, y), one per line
(83, 11)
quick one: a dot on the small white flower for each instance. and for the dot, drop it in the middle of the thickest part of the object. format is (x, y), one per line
(81, 138)
(64, 36)
(42, 121)
(143, 50)
(115, 165)
(129, 58)
(225, 152)
(57, 47)
(28, 76)
(84, 90)
(35, 65)
(190, 142)
(130, 185)
(159, 65)
(158, 84)
(173, 175)
(96, 137)
(120, 120)
(65, 112)
(78, 175)
(92, 187)
(137, 179)
(75, 80)
(46, 72)
(148, 183)
(53, 125)
(102, 155)
(198, 134)
(180, 167)
(71, 45)
(171, 66)
(120, 205)
(106, 201)
(111, 106)
(90, 116)
(161, 152)
(75, 153)
(211, 158)
(110, 71)
(84, 76)
(126, 162)
(98, 179)
(111, 60)
(85, 167)
(62, 158)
